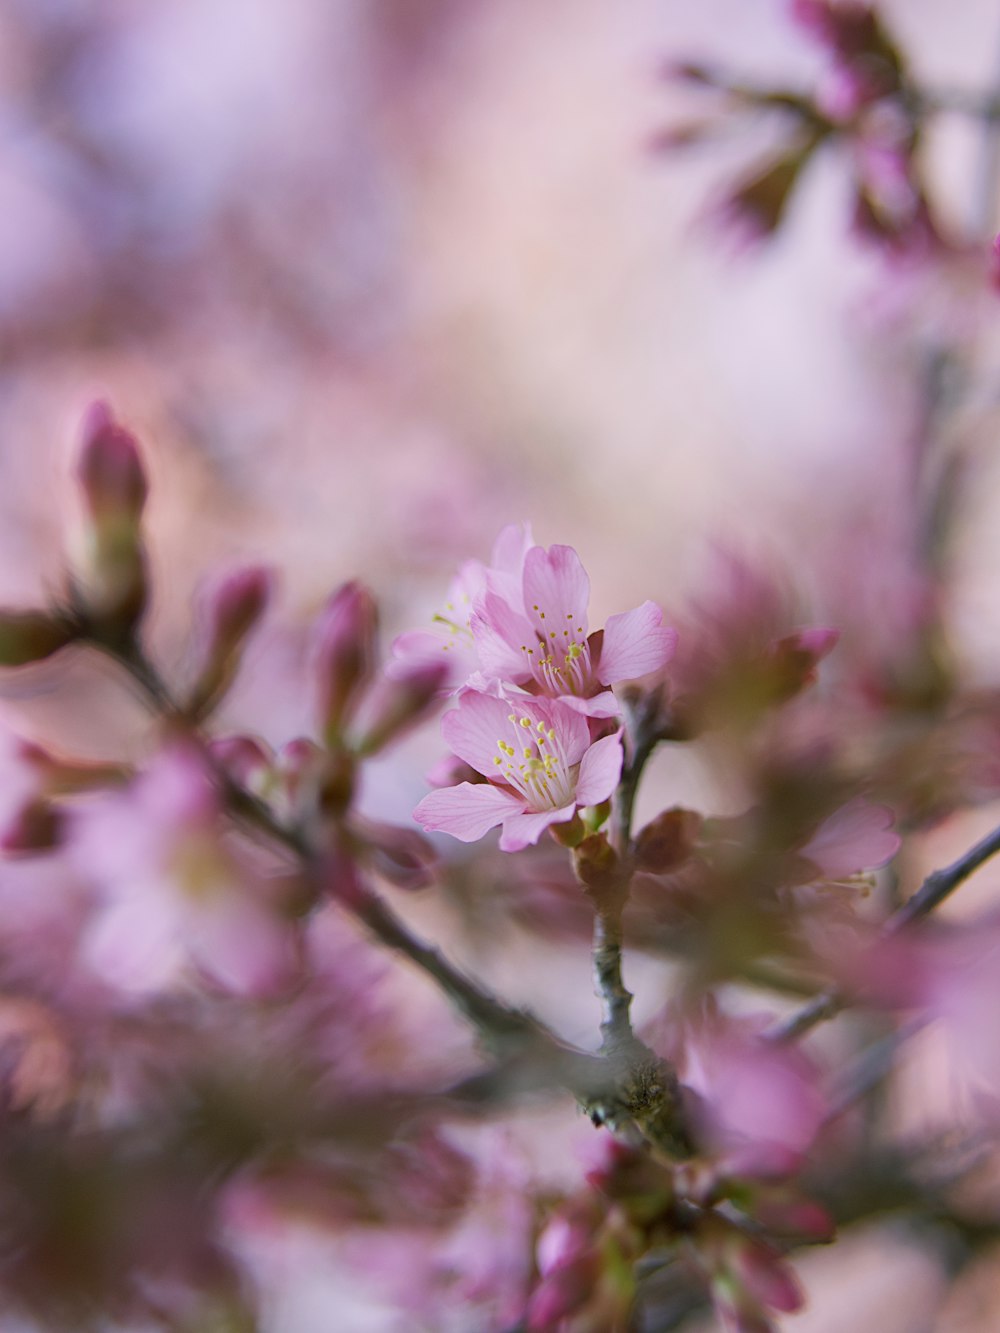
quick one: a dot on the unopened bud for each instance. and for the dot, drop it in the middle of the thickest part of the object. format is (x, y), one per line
(597, 866)
(30, 636)
(244, 760)
(228, 611)
(400, 702)
(109, 468)
(109, 563)
(668, 840)
(345, 641)
(401, 855)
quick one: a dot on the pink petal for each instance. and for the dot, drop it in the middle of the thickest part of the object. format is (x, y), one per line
(135, 944)
(466, 811)
(501, 636)
(556, 592)
(562, 717)
(522, 830)
(858, 836)
(510, 548)
(473, 729)
(241, 945)
(601, 705)
(635, 643)
(600, 770)
(817, 642)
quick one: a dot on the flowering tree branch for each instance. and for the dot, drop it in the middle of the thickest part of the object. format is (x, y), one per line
(938, 886)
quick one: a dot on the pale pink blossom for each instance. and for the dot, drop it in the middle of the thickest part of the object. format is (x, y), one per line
(760, 1105)
(538, 636)
(540, 765)
(171, 892)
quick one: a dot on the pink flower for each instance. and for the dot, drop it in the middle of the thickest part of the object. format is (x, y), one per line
(536, 636)
(760, 1104)
(859, 836)
(539, 763)
(171, 891)
(451, 632)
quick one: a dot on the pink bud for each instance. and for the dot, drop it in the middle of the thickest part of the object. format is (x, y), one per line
(108, 560)
(228, 611)
(109, 468)
(765, 1276)
(401, 855)
(400, 702)
(243, 758)
(344, 653)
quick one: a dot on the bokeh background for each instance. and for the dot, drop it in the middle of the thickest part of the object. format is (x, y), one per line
(371, 279)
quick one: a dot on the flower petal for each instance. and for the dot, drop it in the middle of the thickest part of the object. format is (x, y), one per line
(466, 811)
(635, 643)
(601, 705)
(556, 593)
(600, 770)
(502, 638)
(524, 829)
(473, 729)
(858, 836)
(560, 715)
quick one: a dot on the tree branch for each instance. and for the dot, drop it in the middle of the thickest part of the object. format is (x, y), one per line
(938, 885)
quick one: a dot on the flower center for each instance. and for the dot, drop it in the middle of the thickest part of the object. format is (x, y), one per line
(457, 627)
(533, 762)
(560, 660)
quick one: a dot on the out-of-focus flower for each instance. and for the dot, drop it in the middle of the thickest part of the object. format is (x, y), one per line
(759, 1105)
(857, 837)
(540, 765)
(741, 651)
(171, 891)
(747, 1278)
(537, 636)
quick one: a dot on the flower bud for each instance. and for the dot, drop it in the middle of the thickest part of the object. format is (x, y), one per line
(400, 703)
(667, 841)
(30, 636)
(228, 611)
(109, 469)
(401, 855)
(344, 654)
(109, 563)
(244, 759)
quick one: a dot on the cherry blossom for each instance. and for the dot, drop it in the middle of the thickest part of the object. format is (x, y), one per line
(540, 765)
(538, 638)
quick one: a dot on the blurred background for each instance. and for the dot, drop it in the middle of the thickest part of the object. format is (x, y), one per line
(372, 279)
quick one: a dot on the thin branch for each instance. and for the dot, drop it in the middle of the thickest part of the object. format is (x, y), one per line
(500, 1026)
(615, 997)
(938, 885)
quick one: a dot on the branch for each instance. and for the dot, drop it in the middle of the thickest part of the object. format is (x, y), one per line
(938, 885)
(504, 1030)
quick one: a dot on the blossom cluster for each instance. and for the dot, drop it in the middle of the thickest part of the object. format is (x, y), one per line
(535, 712)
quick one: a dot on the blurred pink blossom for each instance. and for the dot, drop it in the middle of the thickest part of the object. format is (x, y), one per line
(171, 891)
